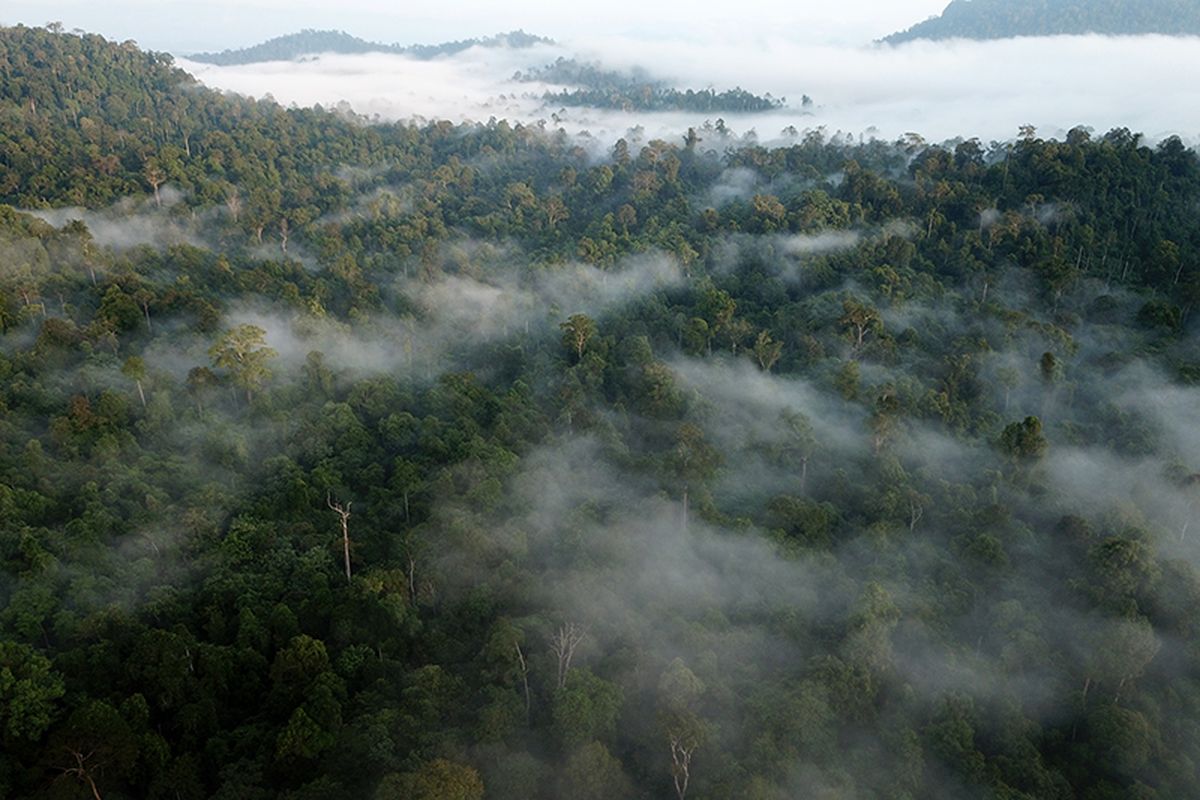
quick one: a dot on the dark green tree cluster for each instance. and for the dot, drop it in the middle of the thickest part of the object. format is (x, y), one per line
(595, 87)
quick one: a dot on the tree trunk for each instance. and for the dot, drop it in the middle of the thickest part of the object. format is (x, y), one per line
(685, 507)
(681, 767)
(525, 684)
(563, 645)
(343, 513)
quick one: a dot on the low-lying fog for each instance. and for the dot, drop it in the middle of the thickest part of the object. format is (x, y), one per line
(940, 90)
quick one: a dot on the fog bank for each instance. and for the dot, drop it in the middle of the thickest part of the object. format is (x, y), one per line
(939, 90)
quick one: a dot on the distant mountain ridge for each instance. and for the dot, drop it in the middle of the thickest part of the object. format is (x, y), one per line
(308, 42)
(1001, 19)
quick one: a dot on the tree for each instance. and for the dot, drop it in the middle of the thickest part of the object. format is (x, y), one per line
(717, 307)
(244, 353)
(143, 297)
(556, 211)
(861, 320)
(156, 177)
(693, 460)
(200, 381)
(1024, 441)
(577, 332)
(1119, 651)
(343, 512)
(884, 418)
(29, 693)
(563, 644)
(1051, 368)
(679, 692)
(134, 368)
(591, 773)
(95, 745)
(794, 447)
(1190, 486)
(767, 351)
(586, 708)
(439, 779)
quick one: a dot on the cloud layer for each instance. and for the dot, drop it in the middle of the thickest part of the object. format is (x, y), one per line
(940, 90)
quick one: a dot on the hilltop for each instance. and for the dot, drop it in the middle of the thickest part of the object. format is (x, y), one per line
(308, 42)
(1001, 19)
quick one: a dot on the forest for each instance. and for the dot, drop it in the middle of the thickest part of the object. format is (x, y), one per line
(310, 42)
(475, 461)
(1002, 19)
(591, 85)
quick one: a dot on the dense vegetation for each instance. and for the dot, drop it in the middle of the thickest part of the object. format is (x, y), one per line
(450, 462)
(311, 42)
(593, 86)
(1001, 19)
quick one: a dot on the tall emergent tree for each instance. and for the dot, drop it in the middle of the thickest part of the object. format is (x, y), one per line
(244, 353)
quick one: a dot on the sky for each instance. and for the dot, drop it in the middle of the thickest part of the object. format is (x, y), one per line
(185, 26)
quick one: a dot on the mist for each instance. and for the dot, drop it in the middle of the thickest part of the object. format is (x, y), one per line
(939, 90)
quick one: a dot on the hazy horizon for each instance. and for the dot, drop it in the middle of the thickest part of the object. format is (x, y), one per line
(183, 28)
(939, 90)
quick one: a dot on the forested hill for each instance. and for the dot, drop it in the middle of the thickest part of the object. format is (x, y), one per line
(480, 463)
(1000, 19)
(311, 42)
(594, 86)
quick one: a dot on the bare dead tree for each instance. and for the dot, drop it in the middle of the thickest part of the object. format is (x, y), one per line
(412, 579)
(344, 513)
(916, 511)
(525, 682)
(1192, 505)
(156, 178)
(283, 235)
(563, 644)
(233, 202)
(681, 764)
(82, 771)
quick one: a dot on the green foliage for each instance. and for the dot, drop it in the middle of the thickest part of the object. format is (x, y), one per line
(585, 709)
(436, 780)
(29, 692)
(1024, 441)
(591, 773)
(242, 351)
(784, 495)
